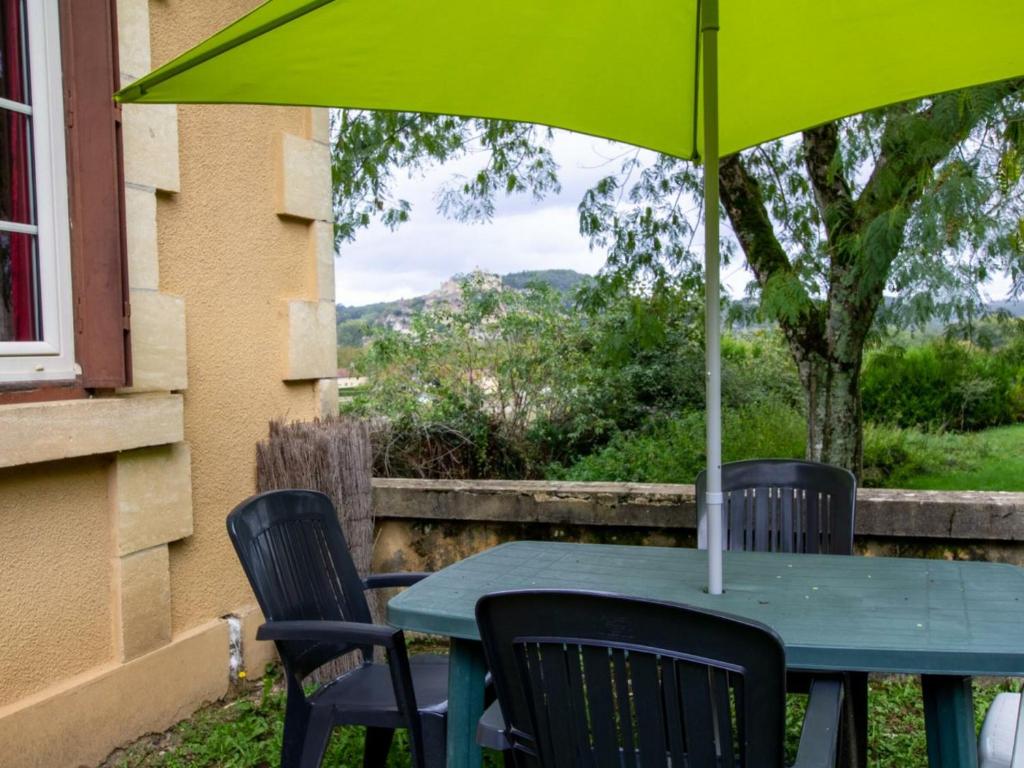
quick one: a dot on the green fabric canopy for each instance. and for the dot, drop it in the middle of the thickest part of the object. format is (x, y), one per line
(621, 70)
(662, 74)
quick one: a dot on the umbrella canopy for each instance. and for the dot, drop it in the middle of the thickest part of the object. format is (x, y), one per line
(626, 71)
(683, 77)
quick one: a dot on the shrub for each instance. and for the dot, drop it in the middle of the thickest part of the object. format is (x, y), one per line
(672, 450)
(757, 367)
(946, 384)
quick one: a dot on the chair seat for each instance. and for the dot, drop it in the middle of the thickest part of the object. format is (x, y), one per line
(366, 696)
(996, 743)
(490, 730)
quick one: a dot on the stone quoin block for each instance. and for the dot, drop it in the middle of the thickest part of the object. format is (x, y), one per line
(303, 178)
(151, 493)
(143, 586)
(159, 361)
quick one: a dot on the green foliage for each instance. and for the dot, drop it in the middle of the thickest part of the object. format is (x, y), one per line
(896, 735)
(517, 384)
(352, 333)
(948, 224)
(348, 356)
(356, 324)
(672, 450)
(246, 732)
(757, 368)
(462, 393)
(564, 281)
(370, 147)
(893, 456)
(946, 384)
(991, 460)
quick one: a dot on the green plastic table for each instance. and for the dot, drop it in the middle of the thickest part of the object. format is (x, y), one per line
(943, 620)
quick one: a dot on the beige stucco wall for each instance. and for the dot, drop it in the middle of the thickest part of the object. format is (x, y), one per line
(115, 567)
(233, 373)
(54, 573)
(227, 174)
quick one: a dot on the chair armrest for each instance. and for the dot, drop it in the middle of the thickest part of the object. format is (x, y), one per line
(819, 738)
(381, 580)
(352, 632)
(358, 634)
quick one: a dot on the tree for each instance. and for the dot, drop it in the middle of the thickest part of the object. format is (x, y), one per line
(922, 199)
(464, 391)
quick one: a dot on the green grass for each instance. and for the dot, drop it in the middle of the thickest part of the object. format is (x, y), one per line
(991, 460)
(245, 732)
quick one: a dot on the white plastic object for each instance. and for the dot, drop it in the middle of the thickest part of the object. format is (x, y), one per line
(1001, 744)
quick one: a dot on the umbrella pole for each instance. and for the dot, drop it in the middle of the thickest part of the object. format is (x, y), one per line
(712, 323)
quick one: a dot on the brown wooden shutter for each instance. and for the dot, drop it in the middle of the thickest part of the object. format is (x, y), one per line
(99, 268)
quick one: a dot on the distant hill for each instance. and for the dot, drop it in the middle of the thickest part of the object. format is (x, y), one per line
(355, 322)
(562, 280)
(1012, 308)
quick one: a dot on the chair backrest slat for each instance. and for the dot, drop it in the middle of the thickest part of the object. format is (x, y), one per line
(775, 505)
(597, 680)
(601, 705)
(672, 698)
(294, 554)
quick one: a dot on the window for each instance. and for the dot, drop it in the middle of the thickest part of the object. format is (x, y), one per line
(36, 321)
(63, 271)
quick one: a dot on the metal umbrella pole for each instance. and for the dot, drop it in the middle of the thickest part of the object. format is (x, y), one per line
(712, 322)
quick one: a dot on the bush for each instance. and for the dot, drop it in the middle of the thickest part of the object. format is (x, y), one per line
(946, 384)
(758, 368)
(464, 392)
(672, 450)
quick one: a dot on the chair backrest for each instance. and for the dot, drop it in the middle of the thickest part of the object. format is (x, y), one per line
(298, 564)
(779, 505)
(587, 679)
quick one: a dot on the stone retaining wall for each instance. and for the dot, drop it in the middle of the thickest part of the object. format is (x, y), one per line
(427, 524)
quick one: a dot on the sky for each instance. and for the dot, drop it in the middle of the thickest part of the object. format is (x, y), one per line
(382, 265)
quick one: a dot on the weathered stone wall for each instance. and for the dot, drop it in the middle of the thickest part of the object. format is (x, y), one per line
(427, 524)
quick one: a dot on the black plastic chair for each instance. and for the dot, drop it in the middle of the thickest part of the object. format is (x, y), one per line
(588, 679)
(295, 556)
(782, 505)
(779, 505)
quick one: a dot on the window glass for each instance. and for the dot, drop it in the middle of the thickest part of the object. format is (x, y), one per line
(20, 311)
(13, 50)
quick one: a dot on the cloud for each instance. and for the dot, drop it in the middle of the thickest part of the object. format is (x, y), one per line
(525, 234)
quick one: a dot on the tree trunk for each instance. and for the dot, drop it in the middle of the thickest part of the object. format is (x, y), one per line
(832, 389)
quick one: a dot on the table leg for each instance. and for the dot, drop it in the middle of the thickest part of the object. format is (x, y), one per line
(949, 721)
(466, 670)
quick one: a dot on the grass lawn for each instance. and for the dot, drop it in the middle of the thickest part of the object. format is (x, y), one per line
(991, 460)
(245, 732)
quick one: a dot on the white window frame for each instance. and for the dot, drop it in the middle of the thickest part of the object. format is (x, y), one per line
(53, 357)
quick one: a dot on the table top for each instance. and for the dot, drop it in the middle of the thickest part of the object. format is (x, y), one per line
(875, 614)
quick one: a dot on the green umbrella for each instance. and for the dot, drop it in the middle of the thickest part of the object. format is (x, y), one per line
(691, 78)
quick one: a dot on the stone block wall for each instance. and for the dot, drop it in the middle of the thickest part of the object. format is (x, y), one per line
(427, 524)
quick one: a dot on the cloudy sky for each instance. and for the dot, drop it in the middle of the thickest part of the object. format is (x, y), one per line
(383, 265)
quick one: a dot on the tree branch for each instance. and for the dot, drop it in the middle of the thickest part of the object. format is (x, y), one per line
(783, 295)
(914, 142)
(831, 189)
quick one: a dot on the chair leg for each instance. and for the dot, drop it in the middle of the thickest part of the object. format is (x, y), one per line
(855, 721)
(318, 733)
(296, 723)
(435, 740)
(378, 744)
